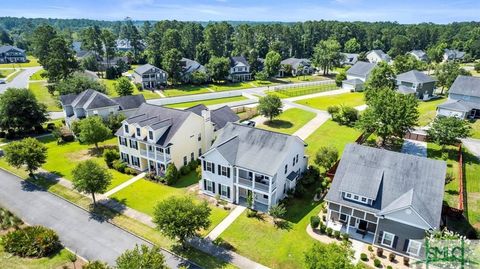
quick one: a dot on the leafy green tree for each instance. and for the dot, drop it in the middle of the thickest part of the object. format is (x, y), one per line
(108, 41)
(96, 265)
(435, 52)
(352, 46)
(171, 64)
(202, 54)
(448, 130)
(114, 121)
(340, 76)
(218, 38)
(446, 74)
(381, 77)
(181, 218)
(93, 131)
(41, 42)
(326, 157)
(405, 63)
(91, 39)
(272, 63)
(60, 62)
(20, 110)
(218, 68)
(329, 256)
(270, 106)
(327, 55)
(262, 76)
(28, 152)
(142, 257)
(77, 84)
(400, 45)
(387, 120)
(171, 174)
(90, 177)
(171, 40)
(90, 63)
(198, 77)
(123, 86)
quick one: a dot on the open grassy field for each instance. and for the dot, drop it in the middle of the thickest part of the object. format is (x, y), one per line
(299, 79)
(208, 102)
(289, 121)
(352, 99)
(186, 90)
(32, 62)
(43, 96)
(428, 111)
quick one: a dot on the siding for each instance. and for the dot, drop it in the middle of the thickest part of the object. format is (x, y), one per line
(402, 232)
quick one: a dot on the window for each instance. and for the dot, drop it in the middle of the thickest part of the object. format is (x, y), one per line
(414, 247)
(125, 127)
(138, 132)
(349, 195)
(133, 144)
(343, 217)
(265, 196)
(185, 160)
(387, 239)
(286, 168)
(135, 161)
(167, 150)
(293, 163)
(192, 156)
(209, 186)
(123, 141)
(224, 191)
(209, 166)
(199, 152)
(125, 157)
(364, 199)
(199, 137)
(224, 171)
(150, 135)
(355, 197)
(297, 158)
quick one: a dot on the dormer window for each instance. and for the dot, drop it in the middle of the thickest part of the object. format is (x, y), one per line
(150, 135)
(357, 198)
(138, 132)
(126, 129)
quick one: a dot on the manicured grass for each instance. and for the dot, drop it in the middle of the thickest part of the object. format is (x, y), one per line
(348, 99)
(233, 86)
(300, 91)
(143, 195)
(208, 102)
(475, 133)
(5, 72)
(330, 134)
(32, 62)
(186, 90)
(289, 121)
(43, 96)
(275, 247)
(299, 79)
(38, 75)
(110, 84)
(428, 111)
(10, 261)
(14, 75)
(63, 158)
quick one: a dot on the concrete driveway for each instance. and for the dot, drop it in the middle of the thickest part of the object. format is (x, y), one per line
(21, 80)
(79, 231)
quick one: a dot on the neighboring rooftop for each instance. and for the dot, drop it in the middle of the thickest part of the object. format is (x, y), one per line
(419, 53)
(248, 147)
(381, 54)
(361, 69)
(144, 68)
(91, 99)
(295, 62)
(220, 116)
(8, 47)
(394, 179)
(350, 58)
(466, 85)
(238, 60)
(190, 66)
(415, 76)
(454, 54)
(458, 105)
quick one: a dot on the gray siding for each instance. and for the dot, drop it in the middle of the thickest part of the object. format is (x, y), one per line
(402, 232)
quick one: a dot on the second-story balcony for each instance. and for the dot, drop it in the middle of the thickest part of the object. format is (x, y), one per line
(245, 182)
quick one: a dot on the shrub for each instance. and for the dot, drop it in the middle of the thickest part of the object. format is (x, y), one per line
(345, 237)
(75, 127)
(171, 175)
(8, 220)
(406, 261)
(193, 165)
(476, 67)
(377, 263)
(391, 256)
(299, 191)
(119, 165)
(251, 213)
(379, 252)
(337, 234)
(329, 231)
(130, 171)
(333, 110)
(150, 176)
(2, 134)
(389, 267)
(314, 221)
(184, 170)
(363, 257)
(323, 228)
(370, 248)
(139, 86)
(110, 155)
(32, 241)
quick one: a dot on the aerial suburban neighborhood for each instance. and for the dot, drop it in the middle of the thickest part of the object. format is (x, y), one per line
(213, 134)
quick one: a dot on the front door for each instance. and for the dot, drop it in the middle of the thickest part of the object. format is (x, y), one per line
(362, 225)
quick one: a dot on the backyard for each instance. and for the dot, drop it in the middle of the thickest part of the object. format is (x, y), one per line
(208, 102)
(289, 121)
(198, 89)
(305, 78)
(475, 133)
(348, 99)
(428, 111)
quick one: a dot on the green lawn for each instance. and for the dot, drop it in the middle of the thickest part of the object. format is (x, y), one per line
(63, 158)
(330, 134)
(299, 79)
(199, 89)
(289, 121)
(5, 72)
(10, 261)
(208, 102)
(475, 129)
(428, 111)
(186, 90)
(32, 62)
(38, 75)
(43, 96)
(14, 74)
(110, 84)
(143, 195)
(348, 99)
(300, 91)
(275, 247)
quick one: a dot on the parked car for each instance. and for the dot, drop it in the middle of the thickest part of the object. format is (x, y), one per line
(250, 123)
(3, 81)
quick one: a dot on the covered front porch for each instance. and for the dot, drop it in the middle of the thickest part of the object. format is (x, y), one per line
(260, 202)
(354, 233)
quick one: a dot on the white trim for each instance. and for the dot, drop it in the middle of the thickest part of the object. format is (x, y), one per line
(409, 245)
(383, 239)
(427, 227)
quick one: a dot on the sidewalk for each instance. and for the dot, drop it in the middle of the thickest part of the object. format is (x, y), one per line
(124, 184)
(222, 226)
(307, 129)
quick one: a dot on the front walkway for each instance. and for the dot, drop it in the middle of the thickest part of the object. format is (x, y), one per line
(310, 127)
(125, 184)
(413, 147)
(222, 226)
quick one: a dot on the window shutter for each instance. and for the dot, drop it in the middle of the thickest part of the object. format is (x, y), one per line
(219, 170)
(213, 168)
(228, 172)
(395, 241)
(380, 237)
(204, 165)
(405, 245)
(204, 184)
(213, 188)
(228, 192)
(219, 188)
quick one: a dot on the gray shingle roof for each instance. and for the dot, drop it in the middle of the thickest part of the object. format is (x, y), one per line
(252, 148)
(91, 99)
(145, 68)
(415, 76)
(361, 69)
(407, 180)
(406, 90)
(454, 54)
(220, 116)
(238, 59)
(8, 47)
(130, 102)
(350, 58)
(458, 105)
(419, 53)
(295, 62)
(189, 66)
(466, 85)
(382, 55)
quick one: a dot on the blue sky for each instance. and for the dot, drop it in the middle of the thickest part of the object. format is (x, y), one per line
(403, 11)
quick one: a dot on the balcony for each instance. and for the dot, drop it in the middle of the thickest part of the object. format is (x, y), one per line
(261, 186)
(245, 182)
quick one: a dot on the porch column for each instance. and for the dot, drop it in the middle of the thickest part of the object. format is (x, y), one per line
(269, 201)
(165, 158)
(237, 194)
(329, 213)
(148, 152)
(348, 224)
(253, 180)
(155, 154)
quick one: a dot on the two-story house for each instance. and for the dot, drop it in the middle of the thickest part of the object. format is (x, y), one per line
(92, 103)
(189, 67)
(247, 161)
(150, 76)
(419, 55)
(357, 75)
(11, 54)
(376, 56)
(295, 67)
(417, 83)
(463, 99)
(239, 69)
(386, 198)
(453, 55)
(156, 136)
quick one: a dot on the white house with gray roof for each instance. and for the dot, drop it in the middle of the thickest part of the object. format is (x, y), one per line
(92, 103)
(12, 54)
(463, 99)
(156, 136)
(357, 75)
(239, 69)
(453, 55)
(376, 56)
(246, 160)
(189, 67)
(419, 55)
(149, 76)
(417, 83)
(295, 67)
(386, 198)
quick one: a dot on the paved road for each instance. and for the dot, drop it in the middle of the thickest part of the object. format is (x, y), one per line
(90, 238)
(21, 80)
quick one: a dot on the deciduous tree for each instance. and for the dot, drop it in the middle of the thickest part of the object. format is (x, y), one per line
(448, 130)
(123, 86)
(329, 256)
(28, 152)
(142, 257)
(171, 64)
(93, 131)
(77, 84)
(446, 74)
(90, 177)
(20, 110)
(327, 55)
(272, 63)
(218, 68)
(326, 157)
(270, 106)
